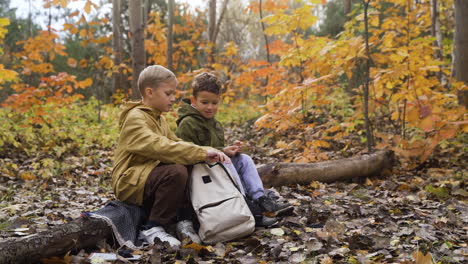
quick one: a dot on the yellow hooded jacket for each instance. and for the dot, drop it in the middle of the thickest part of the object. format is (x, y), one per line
(146, 140)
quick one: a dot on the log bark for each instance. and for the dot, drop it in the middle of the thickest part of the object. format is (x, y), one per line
(279, 174)
(73, 236)
(83, 233)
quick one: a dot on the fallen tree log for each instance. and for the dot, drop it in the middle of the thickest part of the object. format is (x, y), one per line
(82, 233)
(73, 236)
(279, 174)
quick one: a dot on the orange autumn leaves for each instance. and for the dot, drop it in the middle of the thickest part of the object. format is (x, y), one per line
(418, 108)
(40, 87)
(311, 93)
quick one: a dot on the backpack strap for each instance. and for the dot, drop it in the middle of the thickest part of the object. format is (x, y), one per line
(227, 173)
(253, 207)
(211, 166)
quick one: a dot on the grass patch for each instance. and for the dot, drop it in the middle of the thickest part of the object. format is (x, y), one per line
(72, 130)
(238, 112)
(4, 225)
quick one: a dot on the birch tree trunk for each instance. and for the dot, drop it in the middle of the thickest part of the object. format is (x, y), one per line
(435, 27)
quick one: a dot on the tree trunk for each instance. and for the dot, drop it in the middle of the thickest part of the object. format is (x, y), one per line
(170, 25)
(435, 28)
(214, 26)
(437, 34)
(73, 236)
(82, 233)
(267, 44)
(211, 29)
(461, 47)
(369, 134)
(220, 19)
(138, 44)
(347, 7)
(117, 77)
(146, 10)
(279, 174)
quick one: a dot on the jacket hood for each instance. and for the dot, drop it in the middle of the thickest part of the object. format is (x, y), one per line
(187, 110)
(129, 105)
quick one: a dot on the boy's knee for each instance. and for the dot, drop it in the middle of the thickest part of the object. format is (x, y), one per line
(245, 158)
(179, 174)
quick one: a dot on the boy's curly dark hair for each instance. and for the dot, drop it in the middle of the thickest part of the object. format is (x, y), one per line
(206, 82)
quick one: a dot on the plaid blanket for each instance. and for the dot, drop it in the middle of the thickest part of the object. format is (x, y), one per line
(125, 221)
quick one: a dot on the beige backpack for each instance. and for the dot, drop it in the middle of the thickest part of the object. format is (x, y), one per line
(219, 205)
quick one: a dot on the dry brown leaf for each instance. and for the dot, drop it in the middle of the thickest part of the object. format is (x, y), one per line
(195, 246)
(326, 260)
(56, 260)
(420, 258)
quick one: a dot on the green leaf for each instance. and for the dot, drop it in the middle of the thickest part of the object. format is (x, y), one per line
(440, 192)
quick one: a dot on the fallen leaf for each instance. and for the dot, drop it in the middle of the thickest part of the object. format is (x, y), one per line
(326, 260)
(420, 258)
(297, 257)
(277, 231)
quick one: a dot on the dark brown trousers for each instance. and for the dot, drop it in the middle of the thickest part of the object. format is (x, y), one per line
(165, 193)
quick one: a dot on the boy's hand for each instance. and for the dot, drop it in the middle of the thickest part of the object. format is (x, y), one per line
(238, 144)
(231, 151)
(216, 156)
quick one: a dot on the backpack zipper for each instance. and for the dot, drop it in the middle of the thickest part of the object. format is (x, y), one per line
(214, 204)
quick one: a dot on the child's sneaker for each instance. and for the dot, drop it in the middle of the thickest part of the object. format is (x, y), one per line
(273, 206)
(265, 221)
(151, 234)
(185, 230)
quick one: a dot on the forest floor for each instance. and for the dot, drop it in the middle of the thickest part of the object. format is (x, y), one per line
(418, 216)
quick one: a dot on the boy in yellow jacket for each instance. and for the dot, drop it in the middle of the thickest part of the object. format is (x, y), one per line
(149, 160)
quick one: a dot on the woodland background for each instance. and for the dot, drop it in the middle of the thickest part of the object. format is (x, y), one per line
(304, 81)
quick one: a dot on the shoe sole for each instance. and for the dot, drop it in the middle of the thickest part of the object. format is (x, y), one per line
(267, 226)
(286, 210)
(274, 224)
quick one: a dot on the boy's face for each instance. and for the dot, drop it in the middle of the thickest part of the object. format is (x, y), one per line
(206, 103)
(161, 98)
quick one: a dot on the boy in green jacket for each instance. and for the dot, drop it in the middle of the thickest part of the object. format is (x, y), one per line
(149, 160)
(197, 124)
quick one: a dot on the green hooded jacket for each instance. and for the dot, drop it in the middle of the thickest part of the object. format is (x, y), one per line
(146, 140)
(193, 127)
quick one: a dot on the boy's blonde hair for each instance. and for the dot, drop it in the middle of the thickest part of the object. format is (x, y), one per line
(152, 76)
